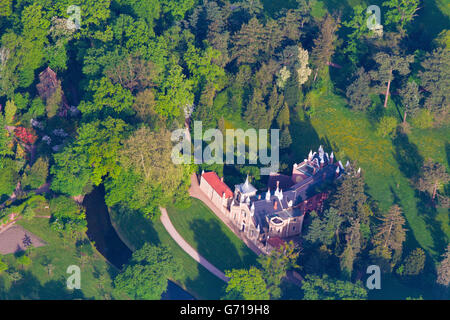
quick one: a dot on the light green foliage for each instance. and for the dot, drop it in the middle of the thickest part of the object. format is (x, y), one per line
(10, 112)
(24, 260)
(147, 273)
(203, 67)
(36, 176)
(246, 284)
(89, 158)
(387, 126)
(401, 11)
(175, 94)
(68, 215)
(423, 119)
(108, 98)
(325, 288)
(5, 139)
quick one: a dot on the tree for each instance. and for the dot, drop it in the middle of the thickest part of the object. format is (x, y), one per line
(149, 153)
(443, 270)
(89, 158)
(324, 44)
(358, 26)
(5, 138)
(414, 262)
(36, 176)
(390, 235)
(108, 99)
(257, 114)
(433, 177)
(246, 285)
(146, 276)
(350, 198)
(387, 126)
(303, 71)
(387, 65)
(325, 230)
(358, 92)
(175, 93)
(248, 42)
(352, 247)
(435, 79)
(8, 176)
(67, 216)
(10, 112)
(325, 288)
(23, 260)
(275, 265)
(411, 99)
(402, 11)
(3, 265)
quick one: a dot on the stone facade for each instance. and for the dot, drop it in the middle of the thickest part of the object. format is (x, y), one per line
(275, 215)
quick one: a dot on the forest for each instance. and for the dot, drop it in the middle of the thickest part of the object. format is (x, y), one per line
(90, 92)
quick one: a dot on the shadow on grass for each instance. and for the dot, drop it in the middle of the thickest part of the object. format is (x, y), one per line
(217, 248)
(407, 156)
(29, 287)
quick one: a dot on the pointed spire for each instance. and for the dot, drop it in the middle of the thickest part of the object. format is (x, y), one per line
(359, 171)
(246, 181)
(203, 171)
(280, 195)
(347, 164)
(252, 208)
(310, 155)
(268, 195)
(320, 149)
(340, 165)
(337, 170)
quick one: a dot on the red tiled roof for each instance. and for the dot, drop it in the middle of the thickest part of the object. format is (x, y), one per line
(275, 242)
(218, 185)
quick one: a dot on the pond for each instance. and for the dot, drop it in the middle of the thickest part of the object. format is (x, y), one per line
(108, 243)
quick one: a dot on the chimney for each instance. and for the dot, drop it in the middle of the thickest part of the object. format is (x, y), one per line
(221, 179)
(275, 205)
(331, 157)
(278, 183)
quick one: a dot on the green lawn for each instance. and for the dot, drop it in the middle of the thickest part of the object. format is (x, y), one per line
(201, 228)
(36, 282)
(135, 230)
(385, 163)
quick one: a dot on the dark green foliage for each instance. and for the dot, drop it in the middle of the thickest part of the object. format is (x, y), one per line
(147, 273)
(8, 176)
(325, 288)
(413, 264)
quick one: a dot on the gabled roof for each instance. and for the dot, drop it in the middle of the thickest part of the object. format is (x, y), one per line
(218, 185)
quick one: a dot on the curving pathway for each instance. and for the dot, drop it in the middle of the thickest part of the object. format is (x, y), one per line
(187, 247)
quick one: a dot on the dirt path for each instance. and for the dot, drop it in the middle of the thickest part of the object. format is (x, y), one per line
(187, 248)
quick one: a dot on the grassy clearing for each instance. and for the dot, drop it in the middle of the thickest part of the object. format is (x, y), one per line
(386, 163)
(37, 283)
(211, 237)
(135, 230)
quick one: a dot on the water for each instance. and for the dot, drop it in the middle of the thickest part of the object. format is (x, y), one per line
(108, 243)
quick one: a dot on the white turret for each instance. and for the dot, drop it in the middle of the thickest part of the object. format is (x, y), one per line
(268, 195)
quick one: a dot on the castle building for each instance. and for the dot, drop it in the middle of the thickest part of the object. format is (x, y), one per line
(276, 214)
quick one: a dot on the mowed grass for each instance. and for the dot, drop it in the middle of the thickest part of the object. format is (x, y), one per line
(201, 228)
(36, 283)
(135, 230)
(353, 137)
